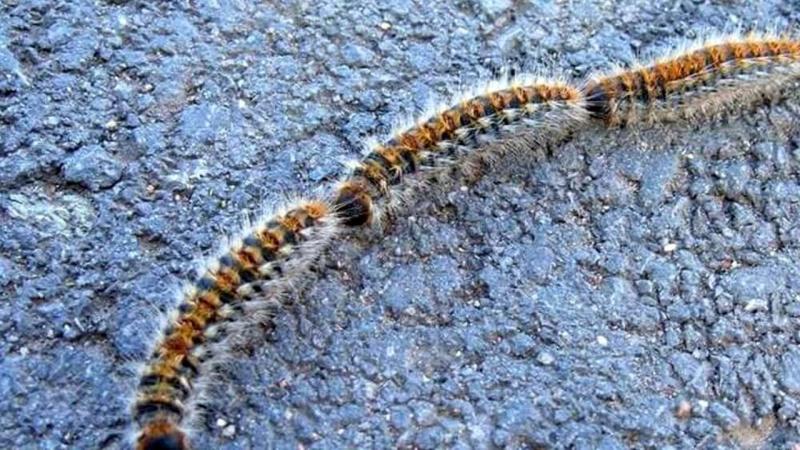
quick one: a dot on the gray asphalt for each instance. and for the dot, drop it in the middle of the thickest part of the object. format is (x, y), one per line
(629, 289)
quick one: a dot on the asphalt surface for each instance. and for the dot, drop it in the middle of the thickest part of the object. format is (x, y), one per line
(628, 289)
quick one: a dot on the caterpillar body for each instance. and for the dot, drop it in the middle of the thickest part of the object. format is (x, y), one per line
(525, 109)
(712, 77)
(263, 262)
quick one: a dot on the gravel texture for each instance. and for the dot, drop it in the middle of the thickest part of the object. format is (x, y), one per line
(631, 289)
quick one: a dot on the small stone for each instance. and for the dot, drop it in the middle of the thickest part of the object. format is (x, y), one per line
(684, 410)
(723, 415)
(545, 358)
(670, 247)
(789, 374)
(6, 271)
(221, 423)
(400, 418)
(229, 431)
(522, 345)
(756, 304)
(92, 167)
(385, 26)
(356, 55)
(10, 64)
(112, 125)
(321, 172)
(70, 333)
(602, 341)
(425, 413)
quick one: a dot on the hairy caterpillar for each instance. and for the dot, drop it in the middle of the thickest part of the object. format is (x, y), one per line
(526, 110)
(264, 261)
(705, 79)
(709, 77)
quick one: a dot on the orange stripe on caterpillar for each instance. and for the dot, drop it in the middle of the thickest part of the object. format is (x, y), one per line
(707, 78)
(164, 396)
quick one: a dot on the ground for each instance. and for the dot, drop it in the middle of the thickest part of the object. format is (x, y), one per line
(628, 289)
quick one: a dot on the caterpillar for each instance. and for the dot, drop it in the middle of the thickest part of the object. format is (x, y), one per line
(166, 384)
(479, 126)
(708, 78)
(166, 396)
(229, 293)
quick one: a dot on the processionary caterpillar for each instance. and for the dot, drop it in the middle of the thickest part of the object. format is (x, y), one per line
(705, 79)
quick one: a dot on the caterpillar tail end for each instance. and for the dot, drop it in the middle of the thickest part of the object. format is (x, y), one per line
(353, 204)
(162, 435)
(597, 101)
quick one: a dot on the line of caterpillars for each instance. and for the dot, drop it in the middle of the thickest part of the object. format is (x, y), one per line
(733, 72)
